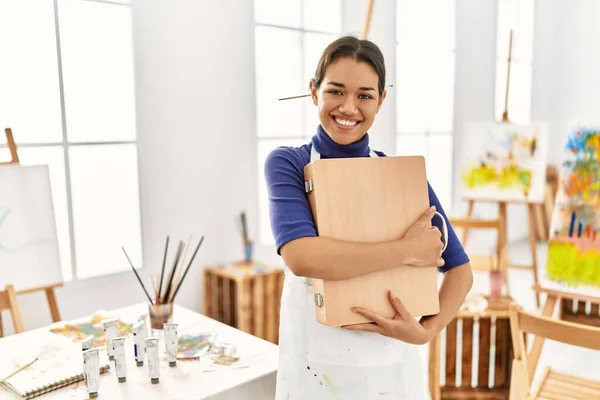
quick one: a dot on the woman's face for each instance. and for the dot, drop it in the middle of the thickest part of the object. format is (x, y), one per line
(348, 99)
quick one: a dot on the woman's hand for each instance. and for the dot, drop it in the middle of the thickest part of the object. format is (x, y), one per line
(425, 242)
(402, 327)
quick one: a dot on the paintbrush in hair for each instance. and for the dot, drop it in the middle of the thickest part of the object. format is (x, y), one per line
(188, 267)
(138, 276)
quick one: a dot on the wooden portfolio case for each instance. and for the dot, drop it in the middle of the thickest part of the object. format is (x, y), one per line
(370, 200)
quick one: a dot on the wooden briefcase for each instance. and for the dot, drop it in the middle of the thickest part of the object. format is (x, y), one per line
(370, 200)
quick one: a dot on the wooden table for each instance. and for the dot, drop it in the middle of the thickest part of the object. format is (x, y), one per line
(189, 380)
(484, 358)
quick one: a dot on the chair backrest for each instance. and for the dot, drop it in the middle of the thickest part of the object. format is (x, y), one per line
(522, 323)
(12, 147)
(8, 301)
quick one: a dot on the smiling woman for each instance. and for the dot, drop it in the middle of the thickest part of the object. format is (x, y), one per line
(368, 360)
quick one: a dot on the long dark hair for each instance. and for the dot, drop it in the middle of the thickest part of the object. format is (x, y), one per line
(360, 50)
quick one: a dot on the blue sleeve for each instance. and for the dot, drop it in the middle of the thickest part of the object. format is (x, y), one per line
(289, 210)
(454, 255)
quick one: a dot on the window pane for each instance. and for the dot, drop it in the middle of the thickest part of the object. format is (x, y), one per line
(97, 57)
(323, 15)
(264, 148)
(29, 94)
(279, 74)
(278, 12)
(517, 15)
(54, 158)
(106, 208)
(424, 26)
(425, 92)
(519, 97)
(439, 167)
(411, 145)
(314, 44)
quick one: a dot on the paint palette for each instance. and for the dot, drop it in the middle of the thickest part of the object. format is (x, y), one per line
(192, 346)
(79, 331)
(574, 248)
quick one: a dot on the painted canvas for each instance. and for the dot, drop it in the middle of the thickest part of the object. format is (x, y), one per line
(79, 331)
(574, 248)
(192, 346)
(505, 162)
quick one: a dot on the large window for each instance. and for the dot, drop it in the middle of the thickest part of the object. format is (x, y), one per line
(425, 87)
(67, 92)
(289, 39)
(518, 16)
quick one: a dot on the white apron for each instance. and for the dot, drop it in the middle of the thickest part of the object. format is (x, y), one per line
(321, 362)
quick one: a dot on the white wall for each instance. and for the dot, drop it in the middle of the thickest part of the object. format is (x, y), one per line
(566, 68)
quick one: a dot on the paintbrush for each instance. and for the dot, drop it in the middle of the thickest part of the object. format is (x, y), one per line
(165, 298)
(244, 228)
(162, 273)
(308, 95)
(188, 267)
(137, 275)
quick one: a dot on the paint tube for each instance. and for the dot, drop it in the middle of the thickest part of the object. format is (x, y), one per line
(144, 318)
(118, 346)
(87, 343)
(171, 343)
(139, 347)
(110, 332)
(91, 371)
(153, 360)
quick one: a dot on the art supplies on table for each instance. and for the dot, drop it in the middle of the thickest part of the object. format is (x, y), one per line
(574, 246)
(193, 346)
(171, 343)
(153, 359)
(139, 346)
(59, 363)
(91, 371)
(370, 199)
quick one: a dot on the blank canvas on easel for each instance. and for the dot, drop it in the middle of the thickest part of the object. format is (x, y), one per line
(505, 162)
(29, 252)
(574, 248)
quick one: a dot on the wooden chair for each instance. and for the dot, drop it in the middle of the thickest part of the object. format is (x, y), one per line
(8, 301)
(552, 384)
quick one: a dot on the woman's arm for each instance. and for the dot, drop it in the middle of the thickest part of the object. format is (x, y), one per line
(330, 259)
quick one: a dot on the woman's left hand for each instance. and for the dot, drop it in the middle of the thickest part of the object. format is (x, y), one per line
(402, 327)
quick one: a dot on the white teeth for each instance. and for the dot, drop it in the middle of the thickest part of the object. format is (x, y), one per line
(345, 122)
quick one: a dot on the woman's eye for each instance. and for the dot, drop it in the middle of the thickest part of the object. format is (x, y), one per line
(365, 96)
(334, 92)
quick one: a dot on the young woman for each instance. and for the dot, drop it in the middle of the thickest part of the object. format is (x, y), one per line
(369, 361)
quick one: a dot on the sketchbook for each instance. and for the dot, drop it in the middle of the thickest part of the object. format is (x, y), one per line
(59, 364)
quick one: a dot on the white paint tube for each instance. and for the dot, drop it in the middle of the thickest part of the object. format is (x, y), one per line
(91, 371)
(171, 341)
(118, 346)
(139, 346)
(153, 359)
(144, 318)
(110, 332)
(87, 343)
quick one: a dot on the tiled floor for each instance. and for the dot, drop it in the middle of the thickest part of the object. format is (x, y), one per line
(565, 358)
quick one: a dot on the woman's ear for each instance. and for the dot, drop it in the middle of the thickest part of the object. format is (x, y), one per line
(313, 92)
(381, 99)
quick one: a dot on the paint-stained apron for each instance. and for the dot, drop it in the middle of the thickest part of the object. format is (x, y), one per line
(321, 362)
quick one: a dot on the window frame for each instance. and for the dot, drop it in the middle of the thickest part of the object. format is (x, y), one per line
(65, 145)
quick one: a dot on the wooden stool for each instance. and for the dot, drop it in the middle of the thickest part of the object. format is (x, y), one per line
(494, 351)
(246, 296)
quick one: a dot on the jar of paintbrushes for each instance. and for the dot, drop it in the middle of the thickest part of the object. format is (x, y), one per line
(160, 306)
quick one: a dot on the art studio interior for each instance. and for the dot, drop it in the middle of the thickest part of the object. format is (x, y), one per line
(297, 199)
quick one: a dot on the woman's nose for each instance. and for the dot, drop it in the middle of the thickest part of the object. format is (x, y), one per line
(348, 106)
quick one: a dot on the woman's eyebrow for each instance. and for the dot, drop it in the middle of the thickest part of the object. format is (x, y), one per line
(338, 84)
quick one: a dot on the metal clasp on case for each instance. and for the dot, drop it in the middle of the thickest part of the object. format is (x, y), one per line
(319, 299)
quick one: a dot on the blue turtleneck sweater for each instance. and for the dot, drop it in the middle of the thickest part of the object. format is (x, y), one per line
(291, 217)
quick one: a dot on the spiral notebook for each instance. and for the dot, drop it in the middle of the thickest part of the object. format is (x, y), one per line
(59, 364)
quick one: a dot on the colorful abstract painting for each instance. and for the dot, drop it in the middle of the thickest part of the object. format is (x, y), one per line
(505, 162)
(192, 346)
(574, 248)
(94, 327)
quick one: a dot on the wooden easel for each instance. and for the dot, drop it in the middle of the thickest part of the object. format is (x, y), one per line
(48, 289)
(501, 260)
